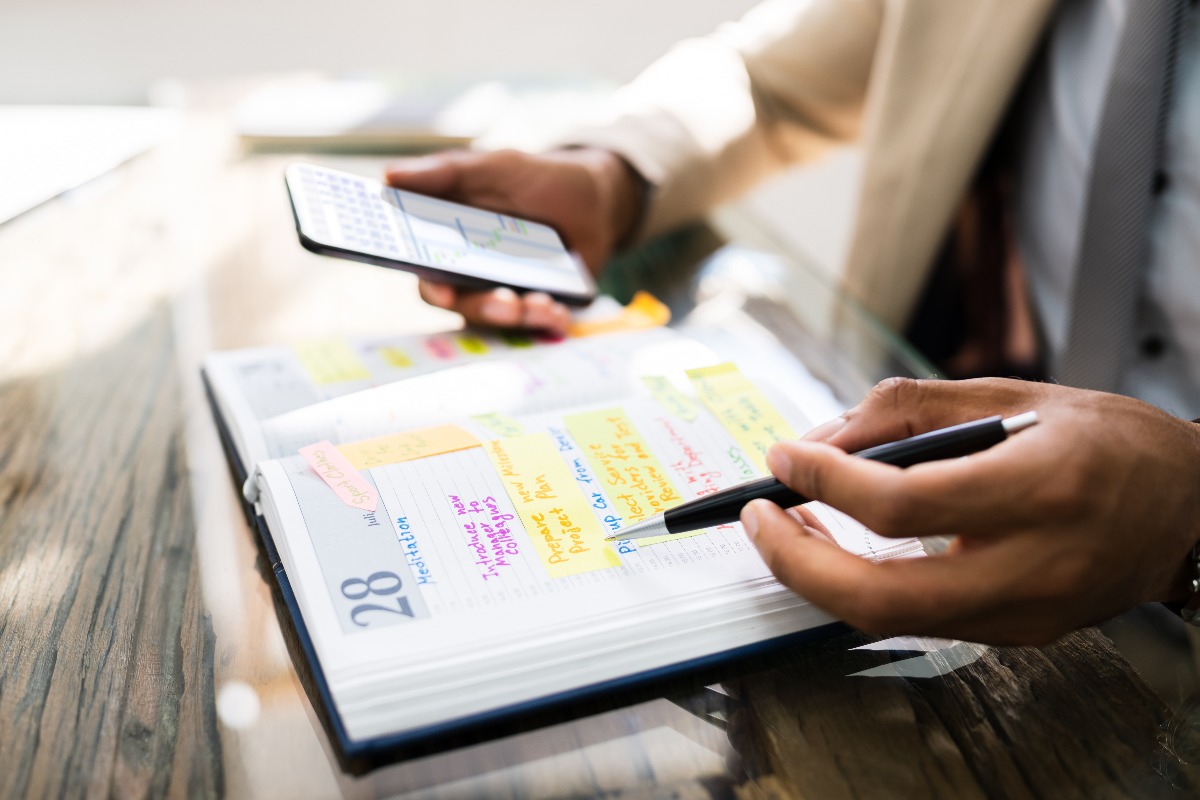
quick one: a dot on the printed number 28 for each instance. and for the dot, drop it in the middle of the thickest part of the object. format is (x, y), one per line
(380, 584)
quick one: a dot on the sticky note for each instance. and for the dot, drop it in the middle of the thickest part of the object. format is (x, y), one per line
(472, 345)
(395, 357)
(673, 401)
(743, 409)
(440, 347)
(407, 446)
(644, 311)
(557, 516)
(340, 475)
(622, 461)
(500, 424)
(516, 340)
(330, 361)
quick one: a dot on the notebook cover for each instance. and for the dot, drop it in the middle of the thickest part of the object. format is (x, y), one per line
(358, 756)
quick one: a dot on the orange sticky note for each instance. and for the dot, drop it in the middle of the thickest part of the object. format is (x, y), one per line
(406, 446)
(644, 311)
(342, 477)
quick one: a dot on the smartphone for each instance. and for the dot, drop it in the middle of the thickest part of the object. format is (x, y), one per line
(349, 216)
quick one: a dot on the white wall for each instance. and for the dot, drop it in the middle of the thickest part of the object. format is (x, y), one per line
(110, 51)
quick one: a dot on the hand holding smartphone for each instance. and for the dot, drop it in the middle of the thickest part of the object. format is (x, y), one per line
(349, 216)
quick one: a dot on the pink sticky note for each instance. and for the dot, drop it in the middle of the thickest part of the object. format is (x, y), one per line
(343, 478)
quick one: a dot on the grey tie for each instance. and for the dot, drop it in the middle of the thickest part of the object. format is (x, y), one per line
(1128, 151)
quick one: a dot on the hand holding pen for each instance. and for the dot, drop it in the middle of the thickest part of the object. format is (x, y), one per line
(726, 505)
(1084, 515)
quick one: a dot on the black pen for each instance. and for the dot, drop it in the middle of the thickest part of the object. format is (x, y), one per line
(726, 505)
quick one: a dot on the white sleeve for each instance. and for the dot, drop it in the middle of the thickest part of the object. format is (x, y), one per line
(717, 114)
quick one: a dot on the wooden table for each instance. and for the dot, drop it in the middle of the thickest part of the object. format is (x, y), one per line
(140, 651)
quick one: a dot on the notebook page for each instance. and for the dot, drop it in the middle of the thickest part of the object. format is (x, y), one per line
(533, 380)
(255, 385)
(496, 553)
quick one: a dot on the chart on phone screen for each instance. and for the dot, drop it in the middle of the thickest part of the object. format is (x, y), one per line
(355, 213)
(450, 235)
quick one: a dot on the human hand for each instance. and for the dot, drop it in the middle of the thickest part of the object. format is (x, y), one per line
(588, 195)
(1084, 515)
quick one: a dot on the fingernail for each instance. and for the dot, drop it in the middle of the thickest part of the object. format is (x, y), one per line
(749, 519)
(778, 461)
(440, 295)
(498, 307)
(825, 430)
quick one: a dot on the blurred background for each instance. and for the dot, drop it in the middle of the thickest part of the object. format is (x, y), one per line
(274, 64)
(99, 51)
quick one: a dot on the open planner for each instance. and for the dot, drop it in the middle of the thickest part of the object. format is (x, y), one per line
(435, 509)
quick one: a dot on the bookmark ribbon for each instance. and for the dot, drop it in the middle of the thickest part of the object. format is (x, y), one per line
(340, 475)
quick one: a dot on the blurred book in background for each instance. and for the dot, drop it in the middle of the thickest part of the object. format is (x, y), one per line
(48, 150)
(390, 114)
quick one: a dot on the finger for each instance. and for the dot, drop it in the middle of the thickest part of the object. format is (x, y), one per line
(809, 519)
(900, 407)
(541, 312)
(437, 294)
(984, 493)
(926, 596)
(825, 430)
(438, 175)
(499, 307)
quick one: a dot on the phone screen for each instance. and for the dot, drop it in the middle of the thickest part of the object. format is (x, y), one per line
(350, 216)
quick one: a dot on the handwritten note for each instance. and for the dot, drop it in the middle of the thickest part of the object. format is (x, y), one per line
(330, 361)
(744, 410)
(566, 534)
(407, 446)
(340, 475)
(622, 460)
(673, 401)
(500, 424)
(488, 531)
(644, 311)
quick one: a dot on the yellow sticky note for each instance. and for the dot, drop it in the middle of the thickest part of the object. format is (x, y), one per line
(472, 345)
(622, 460)
(395, 357)
(744, 410)
(673, 401)
(644, 311)
(407, 446)
(330, 361)
(500, 424)
(557, 516)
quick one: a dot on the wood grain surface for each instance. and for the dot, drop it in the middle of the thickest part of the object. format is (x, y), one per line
(140, 652)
